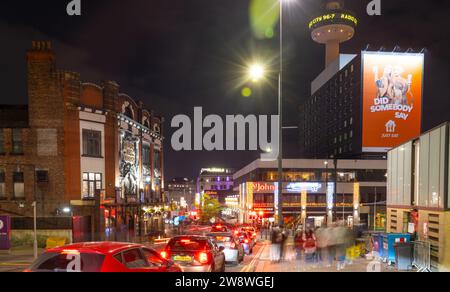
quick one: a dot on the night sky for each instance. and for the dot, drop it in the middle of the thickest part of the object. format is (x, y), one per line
(177, 54)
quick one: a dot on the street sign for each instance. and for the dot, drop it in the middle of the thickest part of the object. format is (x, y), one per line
(5, 232)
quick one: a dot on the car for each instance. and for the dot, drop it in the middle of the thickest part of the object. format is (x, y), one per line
(219, 228)
(102, 257)
(234, 250)
(195, 253)
(252, 232)
(246, 242)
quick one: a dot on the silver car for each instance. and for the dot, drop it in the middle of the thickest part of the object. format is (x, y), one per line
(233, 249)
(195, 254)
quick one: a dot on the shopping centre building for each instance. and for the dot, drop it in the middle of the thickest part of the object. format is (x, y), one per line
(312, 188)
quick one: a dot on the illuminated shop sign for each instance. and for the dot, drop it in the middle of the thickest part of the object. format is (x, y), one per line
(213, 170)
(334, 18)
(303, 186)
(263, 187)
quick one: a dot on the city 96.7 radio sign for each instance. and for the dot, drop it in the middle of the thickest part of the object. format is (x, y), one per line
(332, 18)
(392, 99)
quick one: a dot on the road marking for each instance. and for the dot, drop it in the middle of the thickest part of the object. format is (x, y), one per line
(14, 264)
(247, 268)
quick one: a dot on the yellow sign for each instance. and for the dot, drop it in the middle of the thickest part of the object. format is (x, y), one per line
(333, 16)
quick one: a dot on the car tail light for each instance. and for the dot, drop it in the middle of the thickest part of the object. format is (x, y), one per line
(254, 234)
(203, 258)
(236, 232)
(246, 241)
(165, 254)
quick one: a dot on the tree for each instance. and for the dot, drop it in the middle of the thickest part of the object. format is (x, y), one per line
(210, 208)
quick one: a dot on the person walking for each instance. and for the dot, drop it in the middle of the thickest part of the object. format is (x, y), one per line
(310, 246)
(276, 242)
(298, 242)
(320, 241)
(283, 247)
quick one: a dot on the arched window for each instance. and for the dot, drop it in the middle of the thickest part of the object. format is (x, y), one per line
(129, 112)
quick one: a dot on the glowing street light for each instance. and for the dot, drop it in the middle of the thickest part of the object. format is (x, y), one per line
(256, 72)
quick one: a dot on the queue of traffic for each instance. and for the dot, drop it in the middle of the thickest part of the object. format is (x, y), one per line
(199, 249)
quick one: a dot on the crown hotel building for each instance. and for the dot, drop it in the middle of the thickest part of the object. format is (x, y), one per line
(81, 150)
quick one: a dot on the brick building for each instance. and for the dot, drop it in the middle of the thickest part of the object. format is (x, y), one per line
(82, 150)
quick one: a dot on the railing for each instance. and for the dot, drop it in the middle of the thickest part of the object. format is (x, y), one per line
(422, 256)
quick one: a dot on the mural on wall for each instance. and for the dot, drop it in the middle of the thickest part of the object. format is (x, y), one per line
(129, 164)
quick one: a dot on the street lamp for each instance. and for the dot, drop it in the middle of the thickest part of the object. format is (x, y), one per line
(256, 72)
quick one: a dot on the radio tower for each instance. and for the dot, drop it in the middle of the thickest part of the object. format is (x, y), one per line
(333, 27)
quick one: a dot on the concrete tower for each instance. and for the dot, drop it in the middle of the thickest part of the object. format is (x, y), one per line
(333, 27)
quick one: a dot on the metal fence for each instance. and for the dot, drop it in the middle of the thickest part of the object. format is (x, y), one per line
(422, 256)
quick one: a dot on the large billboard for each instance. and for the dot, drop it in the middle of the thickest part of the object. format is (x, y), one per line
(392, 99)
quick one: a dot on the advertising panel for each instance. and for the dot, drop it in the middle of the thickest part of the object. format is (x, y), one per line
(392, 99)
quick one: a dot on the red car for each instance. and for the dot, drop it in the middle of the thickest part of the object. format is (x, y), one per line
(102, 257)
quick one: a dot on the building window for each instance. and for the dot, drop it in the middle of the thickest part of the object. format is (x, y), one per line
(2, 184)
(2, 141)
(42, 176)
(146, 155)
(92, 143)
(17, 145)
(19, 186)
(91, 183)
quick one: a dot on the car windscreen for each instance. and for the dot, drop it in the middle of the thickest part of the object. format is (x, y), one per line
(185, 244)
(68, 262)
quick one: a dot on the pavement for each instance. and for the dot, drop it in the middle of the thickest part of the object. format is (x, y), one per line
(17, 259)
(260, 262)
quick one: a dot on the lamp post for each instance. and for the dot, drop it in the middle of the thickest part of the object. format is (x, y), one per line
(257, 72)
(280, 128)
(329, 220)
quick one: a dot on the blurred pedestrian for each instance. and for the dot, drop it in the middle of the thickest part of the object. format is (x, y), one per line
(310, 246)
(320, 240)
(341, 246)
(283, 247)
(298, 242)
(276, 239)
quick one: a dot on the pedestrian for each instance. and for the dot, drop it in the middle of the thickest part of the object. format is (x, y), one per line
(298, 241)
(284, 237)
(341, 246)
(310, 246)
(276, 242)
(320, 240)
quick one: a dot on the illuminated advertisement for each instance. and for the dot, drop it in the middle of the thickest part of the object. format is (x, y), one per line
(392, 99)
